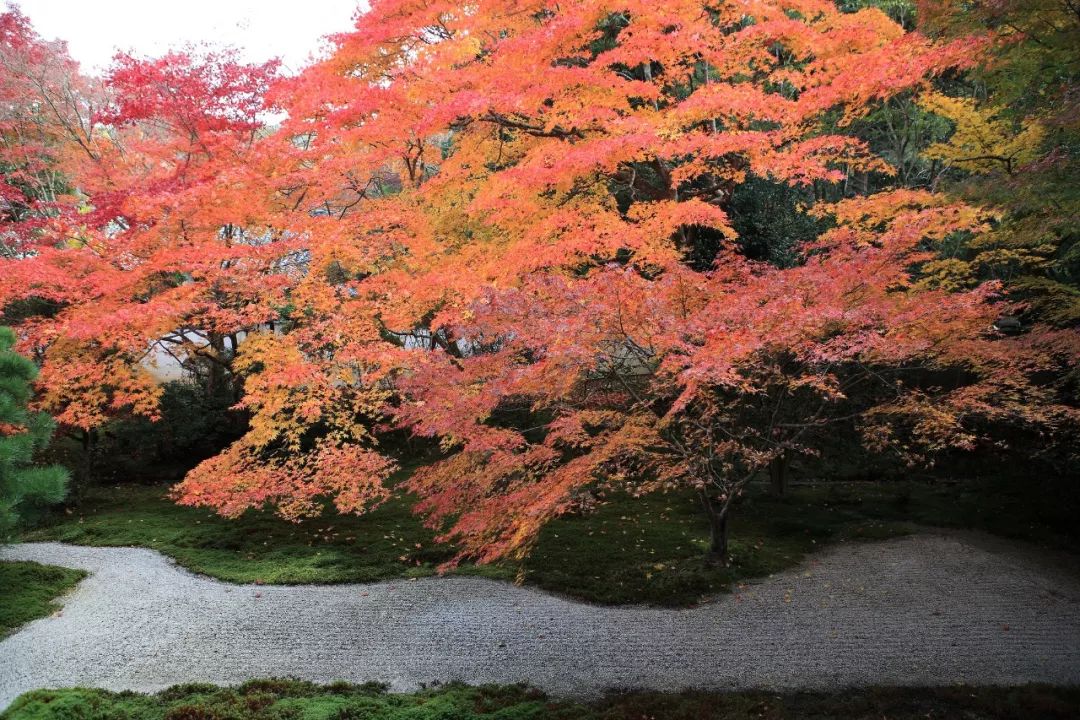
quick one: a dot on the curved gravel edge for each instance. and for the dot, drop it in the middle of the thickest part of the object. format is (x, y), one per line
(928, 609)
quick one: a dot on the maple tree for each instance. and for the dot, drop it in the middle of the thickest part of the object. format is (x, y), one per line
(507, 225)
(138, 256)
(1013, 148)
(163, 252)
(40, 105)
(557, 241)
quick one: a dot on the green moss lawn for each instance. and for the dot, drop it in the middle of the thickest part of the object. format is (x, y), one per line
(288, 700)
(29, 591)
(645, 550)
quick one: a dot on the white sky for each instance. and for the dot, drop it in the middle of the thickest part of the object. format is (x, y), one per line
(259, 29)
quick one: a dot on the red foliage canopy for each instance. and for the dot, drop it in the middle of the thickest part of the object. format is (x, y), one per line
(477, 223)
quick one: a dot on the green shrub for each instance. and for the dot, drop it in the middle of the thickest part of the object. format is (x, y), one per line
(193, 426)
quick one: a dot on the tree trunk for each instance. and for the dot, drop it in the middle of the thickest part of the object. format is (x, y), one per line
(87, 459)
(718, 540)
(717, 555)
(84, 474)
(778, 474)
(215, 369)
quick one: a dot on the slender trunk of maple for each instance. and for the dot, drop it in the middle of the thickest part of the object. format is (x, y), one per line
(717, 554)
(778, 474)
(718, 540)
(86, 461)
(234, 386)
(215, 375)
(85, 474)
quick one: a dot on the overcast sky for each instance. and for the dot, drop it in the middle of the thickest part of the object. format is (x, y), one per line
(260, 29)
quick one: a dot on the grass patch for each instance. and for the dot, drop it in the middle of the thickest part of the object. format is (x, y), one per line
(291, 699)
(646, 550)
(28, 589)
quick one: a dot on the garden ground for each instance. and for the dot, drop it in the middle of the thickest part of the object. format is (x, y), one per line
(278, 699)
(629, 550)
(925, 609)
(809, 602)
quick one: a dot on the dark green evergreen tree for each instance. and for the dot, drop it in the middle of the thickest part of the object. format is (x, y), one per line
(23, 487)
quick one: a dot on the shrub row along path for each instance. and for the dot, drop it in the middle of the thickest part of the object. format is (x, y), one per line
(920, 610)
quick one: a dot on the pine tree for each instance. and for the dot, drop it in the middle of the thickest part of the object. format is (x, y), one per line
(22, 432)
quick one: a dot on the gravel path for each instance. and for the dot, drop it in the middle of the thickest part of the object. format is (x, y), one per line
(926, 609)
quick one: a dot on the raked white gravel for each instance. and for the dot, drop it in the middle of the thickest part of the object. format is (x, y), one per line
(928, 609)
